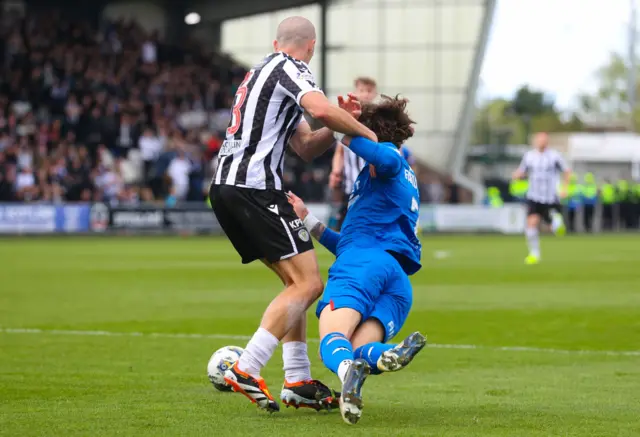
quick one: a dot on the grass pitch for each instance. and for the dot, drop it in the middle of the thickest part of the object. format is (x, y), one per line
(94, 341)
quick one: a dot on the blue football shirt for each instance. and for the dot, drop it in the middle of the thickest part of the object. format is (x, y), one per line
(383, 210)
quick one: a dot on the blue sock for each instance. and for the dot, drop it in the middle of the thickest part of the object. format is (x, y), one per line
(335, 349)
(371, 352)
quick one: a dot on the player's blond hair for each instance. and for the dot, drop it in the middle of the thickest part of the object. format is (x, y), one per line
(366, 81)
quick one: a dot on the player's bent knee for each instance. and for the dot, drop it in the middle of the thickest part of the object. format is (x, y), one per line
(310, 290)
(314, 287)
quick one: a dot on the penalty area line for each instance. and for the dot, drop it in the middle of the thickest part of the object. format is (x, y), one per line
(311, 340)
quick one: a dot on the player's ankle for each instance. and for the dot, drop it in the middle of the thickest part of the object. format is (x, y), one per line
(342, 369)
(245, 366)
(258, 352)
(297, 366)
(298, 375)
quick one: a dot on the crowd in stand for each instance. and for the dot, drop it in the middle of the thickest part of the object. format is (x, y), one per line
(111, 115)
(116, 115)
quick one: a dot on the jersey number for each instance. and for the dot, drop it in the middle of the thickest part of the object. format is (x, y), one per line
(414, 205)
(241, 96)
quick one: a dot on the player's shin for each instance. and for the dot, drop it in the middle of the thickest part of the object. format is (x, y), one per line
(297, 366)
(336, 353)
(284, 312)
(533, 242)
(258, 352)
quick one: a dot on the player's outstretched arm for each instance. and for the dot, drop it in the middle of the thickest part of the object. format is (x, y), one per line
(385, 158)
(319, 230)
(518, 174)
(521, 171)
(334, 117)
(309, 144)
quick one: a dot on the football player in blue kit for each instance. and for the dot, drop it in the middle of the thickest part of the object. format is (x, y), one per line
(368, 294)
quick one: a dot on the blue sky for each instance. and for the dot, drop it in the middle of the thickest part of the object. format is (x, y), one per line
(555, 45)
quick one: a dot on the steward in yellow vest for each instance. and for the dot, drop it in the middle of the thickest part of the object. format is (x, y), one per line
(608, 199)
(494, 199)
(589, 199)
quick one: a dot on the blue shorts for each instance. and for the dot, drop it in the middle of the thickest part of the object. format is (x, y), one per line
(371, 282)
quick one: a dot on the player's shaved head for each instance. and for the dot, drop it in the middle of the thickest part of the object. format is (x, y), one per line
(296, 36)
(295, 31)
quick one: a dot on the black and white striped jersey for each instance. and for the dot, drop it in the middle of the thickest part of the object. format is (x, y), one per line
(265, 116)
(543, 170)
(353, 165)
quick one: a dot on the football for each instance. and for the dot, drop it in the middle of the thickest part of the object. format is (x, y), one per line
(220, 361)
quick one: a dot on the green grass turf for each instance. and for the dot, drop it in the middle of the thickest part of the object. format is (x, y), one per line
(585, 296)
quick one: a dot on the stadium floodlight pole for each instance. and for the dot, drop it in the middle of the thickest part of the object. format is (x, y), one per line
(633, 33)
(324, 9)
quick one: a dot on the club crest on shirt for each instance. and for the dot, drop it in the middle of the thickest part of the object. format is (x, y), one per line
(303, 234)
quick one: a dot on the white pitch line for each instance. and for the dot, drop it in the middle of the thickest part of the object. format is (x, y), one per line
(313, 340)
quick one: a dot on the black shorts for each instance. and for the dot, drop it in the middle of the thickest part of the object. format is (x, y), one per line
(542, 209)
(261, 224)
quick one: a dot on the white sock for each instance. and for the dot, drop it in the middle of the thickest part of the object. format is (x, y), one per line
(533, 241)
(258, 352)
(556, 221)
(297, 366)
(342, 369)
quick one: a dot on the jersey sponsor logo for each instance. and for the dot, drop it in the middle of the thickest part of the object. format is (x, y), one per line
(295, 224)
(303, 235)
(306, 75)
(229, 147)
(273, 209)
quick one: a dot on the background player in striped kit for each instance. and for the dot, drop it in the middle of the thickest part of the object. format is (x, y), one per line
(542, 166)
(346, 165)
(248, 200)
